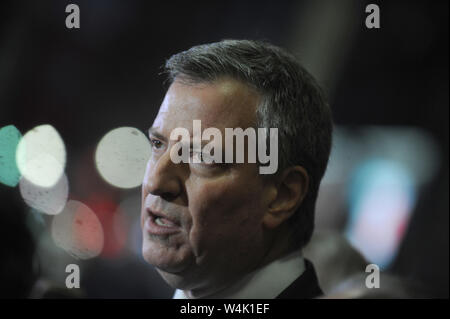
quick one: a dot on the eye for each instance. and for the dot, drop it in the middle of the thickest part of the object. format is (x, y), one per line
(156, 144)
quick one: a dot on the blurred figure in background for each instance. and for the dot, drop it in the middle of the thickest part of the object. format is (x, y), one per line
(17, 272)
(334, 257)
(391, 287)
(341, 271)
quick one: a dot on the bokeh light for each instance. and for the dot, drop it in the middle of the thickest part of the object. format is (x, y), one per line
(374, 176)
(9, 140)
(382, 196)
(41, 156)
(48, 200)
(78, 231)
(121, 157)
(112, 222)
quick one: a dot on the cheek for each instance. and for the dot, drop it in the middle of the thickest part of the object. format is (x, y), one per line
(143, 195)
(224, 212)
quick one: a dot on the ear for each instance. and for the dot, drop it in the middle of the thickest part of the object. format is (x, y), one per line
(291, 188)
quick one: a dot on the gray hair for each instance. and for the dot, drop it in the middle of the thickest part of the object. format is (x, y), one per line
(292, 101)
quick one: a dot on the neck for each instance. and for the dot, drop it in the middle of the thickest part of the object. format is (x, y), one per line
(278, 246)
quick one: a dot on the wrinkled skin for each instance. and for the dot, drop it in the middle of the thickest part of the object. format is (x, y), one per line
(220, 207)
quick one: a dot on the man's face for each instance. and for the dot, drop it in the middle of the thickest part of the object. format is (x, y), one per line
(202, 223)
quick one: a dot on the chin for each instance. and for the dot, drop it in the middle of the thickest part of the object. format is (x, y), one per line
(176, 273)
(164, 260)
(175, 280)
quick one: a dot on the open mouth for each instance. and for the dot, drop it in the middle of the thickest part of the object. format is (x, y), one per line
(164, 222)
(159, 224)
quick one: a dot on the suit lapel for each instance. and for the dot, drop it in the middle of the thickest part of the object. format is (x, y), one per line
(304, 287)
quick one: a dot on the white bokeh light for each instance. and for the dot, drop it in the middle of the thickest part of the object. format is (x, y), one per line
(121, 157)
(41, 156)
(78, 231)
(48, 200)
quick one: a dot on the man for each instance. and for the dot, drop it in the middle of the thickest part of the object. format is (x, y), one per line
(224, 230)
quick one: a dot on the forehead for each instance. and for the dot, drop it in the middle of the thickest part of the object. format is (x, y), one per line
(223, 103)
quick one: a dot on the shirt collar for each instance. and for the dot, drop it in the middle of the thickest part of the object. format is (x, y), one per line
(266, 282)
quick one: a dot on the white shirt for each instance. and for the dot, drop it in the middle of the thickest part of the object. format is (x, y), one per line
(266, 282)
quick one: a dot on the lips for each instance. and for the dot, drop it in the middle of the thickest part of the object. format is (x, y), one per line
(158, 223)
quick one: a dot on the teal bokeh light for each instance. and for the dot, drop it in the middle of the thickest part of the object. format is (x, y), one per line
(9, 139)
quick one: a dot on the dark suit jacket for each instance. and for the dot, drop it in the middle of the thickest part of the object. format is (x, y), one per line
(304, 287)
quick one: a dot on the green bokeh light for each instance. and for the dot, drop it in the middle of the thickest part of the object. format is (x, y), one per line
(9, 139)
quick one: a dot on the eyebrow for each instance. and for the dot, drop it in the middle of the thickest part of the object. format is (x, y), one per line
(154, 132)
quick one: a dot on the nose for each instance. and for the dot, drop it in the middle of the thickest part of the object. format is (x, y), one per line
(162, 177)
